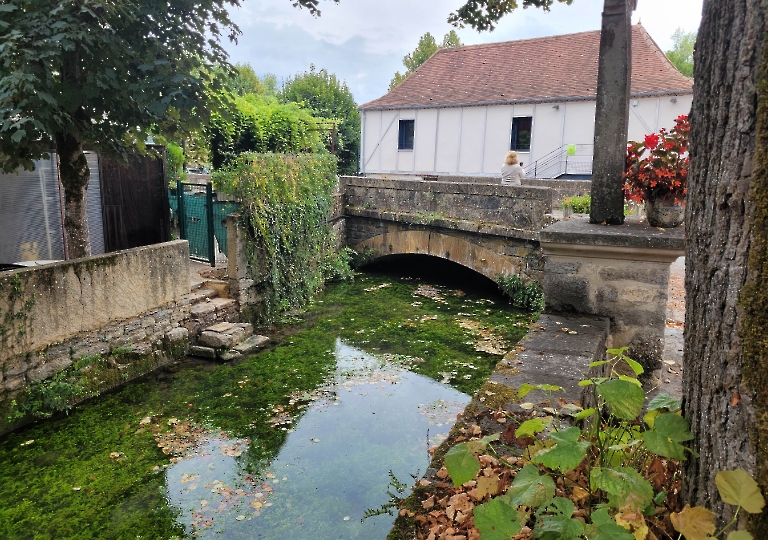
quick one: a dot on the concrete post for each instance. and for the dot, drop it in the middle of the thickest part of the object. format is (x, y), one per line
(612, 112)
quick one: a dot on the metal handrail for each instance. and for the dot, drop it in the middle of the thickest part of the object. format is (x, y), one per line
(558, 162)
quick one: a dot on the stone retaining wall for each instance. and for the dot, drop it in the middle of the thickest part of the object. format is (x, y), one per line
(102, 320)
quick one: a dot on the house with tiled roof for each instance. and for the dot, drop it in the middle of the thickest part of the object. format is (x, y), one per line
(461, 111)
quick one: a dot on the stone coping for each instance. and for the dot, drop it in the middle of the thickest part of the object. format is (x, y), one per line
(444, 223)
(463, 188)
(632, 234)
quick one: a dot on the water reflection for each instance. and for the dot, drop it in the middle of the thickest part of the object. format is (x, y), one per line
(372, 417)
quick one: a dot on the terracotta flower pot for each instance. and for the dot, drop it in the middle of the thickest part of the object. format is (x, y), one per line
(664, 212)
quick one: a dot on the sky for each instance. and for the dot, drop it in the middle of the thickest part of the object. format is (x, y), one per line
(363, 41)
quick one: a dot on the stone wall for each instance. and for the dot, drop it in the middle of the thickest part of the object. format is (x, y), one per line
(100, 320)
(560, 188)
(427, 201)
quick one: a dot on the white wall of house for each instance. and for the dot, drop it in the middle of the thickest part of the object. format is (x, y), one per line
(472, 141)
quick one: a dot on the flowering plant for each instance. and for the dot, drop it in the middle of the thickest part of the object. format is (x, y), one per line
(663, 172)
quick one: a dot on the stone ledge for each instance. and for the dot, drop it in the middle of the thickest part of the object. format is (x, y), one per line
(639, 238)
(450, 224)
(462, 188)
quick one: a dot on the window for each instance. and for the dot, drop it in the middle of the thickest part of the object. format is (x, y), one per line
(405, 136)
(521, 133)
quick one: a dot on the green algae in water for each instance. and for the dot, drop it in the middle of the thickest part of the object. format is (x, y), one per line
(64, 484)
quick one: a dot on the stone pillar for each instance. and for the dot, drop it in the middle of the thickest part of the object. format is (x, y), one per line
(612, 112)
(616, 272)
(240, 281)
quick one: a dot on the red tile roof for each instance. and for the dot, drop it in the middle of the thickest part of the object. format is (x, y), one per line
(555, 68)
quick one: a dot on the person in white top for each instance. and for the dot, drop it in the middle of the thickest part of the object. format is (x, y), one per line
(511, 172)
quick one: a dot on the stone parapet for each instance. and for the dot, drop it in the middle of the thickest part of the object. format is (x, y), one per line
(619, 272)
(507, 206)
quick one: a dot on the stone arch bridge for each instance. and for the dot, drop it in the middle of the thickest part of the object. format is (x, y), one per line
(491, 229)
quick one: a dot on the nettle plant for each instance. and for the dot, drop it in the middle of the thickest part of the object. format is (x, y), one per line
(600, 467)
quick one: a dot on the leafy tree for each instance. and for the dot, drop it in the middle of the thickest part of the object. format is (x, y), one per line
(330, 98)
(259, 124)
(427, 47)
(85, 73)
(244, 81)
(681, 54)
(270, 85)
(484, 14)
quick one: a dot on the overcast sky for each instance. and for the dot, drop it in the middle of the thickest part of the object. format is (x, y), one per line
(363, 41)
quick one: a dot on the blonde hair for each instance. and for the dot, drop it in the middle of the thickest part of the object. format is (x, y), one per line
(511, 158)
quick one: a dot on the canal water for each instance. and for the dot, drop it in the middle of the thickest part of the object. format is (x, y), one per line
(296, 442)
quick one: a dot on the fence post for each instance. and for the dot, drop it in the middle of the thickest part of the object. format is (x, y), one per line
(209, 219)
(182, 211)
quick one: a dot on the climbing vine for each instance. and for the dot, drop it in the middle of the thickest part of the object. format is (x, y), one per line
(287, 200)
(13, 323)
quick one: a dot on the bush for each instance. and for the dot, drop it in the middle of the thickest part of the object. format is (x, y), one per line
(286, 202)
(579, 203)
(523, 296)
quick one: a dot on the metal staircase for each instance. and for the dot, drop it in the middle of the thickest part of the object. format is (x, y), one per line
(568, 160)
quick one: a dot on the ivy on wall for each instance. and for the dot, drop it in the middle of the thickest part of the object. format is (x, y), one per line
(286, 203)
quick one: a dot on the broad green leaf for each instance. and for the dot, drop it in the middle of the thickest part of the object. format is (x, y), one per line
(530, 488)
(617, 352)
(586, 413)
(636, 367)
(650, 417)
(598, 363)
(566, 454)
(462, 465)
(659, 444)
(482, 444)
(737, 487)
(624, 486)
(630, 379)
(526, 388)
(740, 535)
(660, 497)
(673, 426)
(623, 397)
(496, 520)
(586, 382)
(530, 427)
(555, 522)
(665, 401)
(605, 528)
(695, 523)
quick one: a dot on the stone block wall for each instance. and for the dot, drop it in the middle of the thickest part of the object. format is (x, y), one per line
(560, 188)
(100, 320)
(515, 207)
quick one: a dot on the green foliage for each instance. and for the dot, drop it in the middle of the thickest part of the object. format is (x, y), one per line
(681, 54)
(529, 488)
(174, 164)
(484, 14)
(493, 521)
(554, 521)
(102, 74)
(241, 79)
(567, 452)
(14, 322)
(579, 203)
(286, 201)
(328, 97)
(523, 296)
(461, 464)
(394, 499)
(261, 125)
(426, 47)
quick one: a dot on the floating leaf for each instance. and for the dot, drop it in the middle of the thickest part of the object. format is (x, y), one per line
(623, 397)
(695, 523)
(496, 520)
(737, 487)
(566, 454)
(462, 465)
(530, 488)
(530, 427)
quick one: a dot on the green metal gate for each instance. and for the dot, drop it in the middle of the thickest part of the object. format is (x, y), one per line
(201, 220)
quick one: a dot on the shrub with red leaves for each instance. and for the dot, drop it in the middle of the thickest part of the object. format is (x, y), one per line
(658, 167)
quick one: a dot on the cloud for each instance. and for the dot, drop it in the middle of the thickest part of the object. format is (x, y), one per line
(363, 41)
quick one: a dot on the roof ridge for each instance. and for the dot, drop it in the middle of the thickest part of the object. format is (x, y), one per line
(497, 43)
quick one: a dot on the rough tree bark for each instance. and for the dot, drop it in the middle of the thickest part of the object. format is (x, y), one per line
(74, 172)
(725, 381)
(612, 113)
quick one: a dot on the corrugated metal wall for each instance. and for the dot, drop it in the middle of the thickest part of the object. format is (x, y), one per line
(30, 213)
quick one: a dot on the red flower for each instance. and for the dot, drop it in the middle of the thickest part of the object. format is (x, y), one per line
(651, 141)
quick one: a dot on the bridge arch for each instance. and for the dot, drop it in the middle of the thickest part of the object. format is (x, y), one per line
(430, 242)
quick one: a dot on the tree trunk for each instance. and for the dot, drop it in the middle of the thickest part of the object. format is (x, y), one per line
(612, 113)
(73, 168)
(725, 381)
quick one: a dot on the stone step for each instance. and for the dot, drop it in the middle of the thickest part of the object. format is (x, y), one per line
(219, 285)
(225, 335)
(250, 344)
(201, 295)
